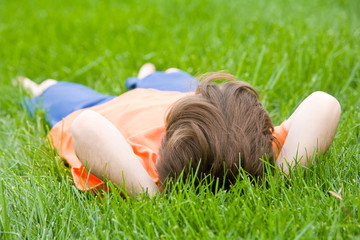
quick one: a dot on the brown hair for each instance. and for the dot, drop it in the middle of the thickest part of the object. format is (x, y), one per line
(214, 131)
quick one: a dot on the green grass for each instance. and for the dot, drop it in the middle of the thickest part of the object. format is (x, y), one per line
(286, 49)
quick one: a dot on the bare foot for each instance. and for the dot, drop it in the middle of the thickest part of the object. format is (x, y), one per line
(31, 86)
(172, 70)
(27, 84)
(146, 70)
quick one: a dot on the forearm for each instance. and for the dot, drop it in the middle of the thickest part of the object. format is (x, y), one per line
(103, 150)
(311, 129)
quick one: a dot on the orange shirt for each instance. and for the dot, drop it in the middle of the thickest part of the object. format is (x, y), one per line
(140, 117)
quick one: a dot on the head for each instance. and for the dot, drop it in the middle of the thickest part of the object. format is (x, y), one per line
(217, 131)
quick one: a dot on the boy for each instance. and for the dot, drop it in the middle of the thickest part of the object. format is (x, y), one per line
(212, 129)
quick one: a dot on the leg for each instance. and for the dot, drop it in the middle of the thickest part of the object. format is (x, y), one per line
(61, 99)
(172, 79)
(33, 87)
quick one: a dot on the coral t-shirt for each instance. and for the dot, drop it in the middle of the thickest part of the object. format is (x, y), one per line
(139, 115)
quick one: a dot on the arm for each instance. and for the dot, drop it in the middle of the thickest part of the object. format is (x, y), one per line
(311, 130)
(102, 149)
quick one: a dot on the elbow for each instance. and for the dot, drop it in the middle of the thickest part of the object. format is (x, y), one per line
(327, 104)
(82, 135)
(328, 109)
(82, 125)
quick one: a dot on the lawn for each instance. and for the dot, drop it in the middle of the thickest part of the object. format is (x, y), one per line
(286, 49)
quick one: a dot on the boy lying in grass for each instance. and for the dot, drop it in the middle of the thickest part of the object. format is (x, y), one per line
(145, 136)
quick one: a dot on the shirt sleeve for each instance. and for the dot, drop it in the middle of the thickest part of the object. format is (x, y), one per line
(280, 133)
